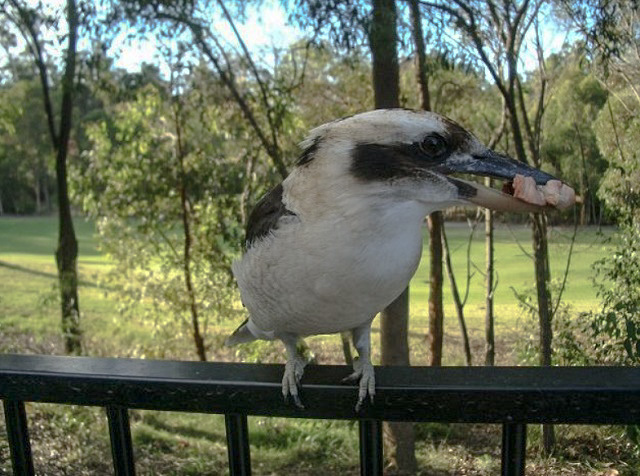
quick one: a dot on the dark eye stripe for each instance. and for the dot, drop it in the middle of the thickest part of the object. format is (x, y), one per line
(375, 162)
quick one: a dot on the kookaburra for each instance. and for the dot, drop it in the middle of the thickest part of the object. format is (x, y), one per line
(339, 239)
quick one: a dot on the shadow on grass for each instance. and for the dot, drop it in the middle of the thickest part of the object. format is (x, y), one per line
(184, 430)
(43, 274)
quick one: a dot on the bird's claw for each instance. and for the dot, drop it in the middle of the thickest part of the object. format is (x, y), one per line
(363, 372)
(293, 371)
(296, 400)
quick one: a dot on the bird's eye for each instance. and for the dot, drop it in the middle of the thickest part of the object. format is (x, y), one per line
(433, 145)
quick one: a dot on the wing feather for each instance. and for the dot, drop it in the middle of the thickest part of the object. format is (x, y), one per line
(266, 215)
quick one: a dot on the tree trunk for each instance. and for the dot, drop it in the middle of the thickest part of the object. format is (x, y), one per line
(394, 320)
(45, 191)
(542, 275)
(67, 251)
(435, 220)
(422, 76)
(384, 56)
(36, 191)
(198, 338)
(436, 314)
(456, 299)
(394, 338)
(394, 331)
(490, 345)
(584, 182)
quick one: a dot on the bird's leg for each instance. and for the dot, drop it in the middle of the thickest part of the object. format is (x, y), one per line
(293, 369)
(362, 367)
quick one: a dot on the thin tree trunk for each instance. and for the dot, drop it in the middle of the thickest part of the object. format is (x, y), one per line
(67, 251)
(436, 314)
(36, 191)
(435, 220)
(394, 320)
(456, 299)
(585, 191)
(542, 276)
(190, 288)
(490, 345)
(198, 339)
(47, 196)
(422, 76)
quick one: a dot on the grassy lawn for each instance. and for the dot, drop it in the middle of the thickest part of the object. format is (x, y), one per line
(28, 302)
(172, 443)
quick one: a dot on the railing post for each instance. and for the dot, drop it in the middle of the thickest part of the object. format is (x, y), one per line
(238, 445)
(121, 447)
(371, 460)
(19, 446)
(514, 449)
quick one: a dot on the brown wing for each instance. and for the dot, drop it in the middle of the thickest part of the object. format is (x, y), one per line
(265, 216)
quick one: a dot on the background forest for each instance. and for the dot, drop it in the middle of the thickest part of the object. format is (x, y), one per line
(124, 193)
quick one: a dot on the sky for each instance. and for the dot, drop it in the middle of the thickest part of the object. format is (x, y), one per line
(263, 28)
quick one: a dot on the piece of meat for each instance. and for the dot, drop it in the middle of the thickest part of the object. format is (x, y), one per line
(554, 193)
(526, 190)
(558, 194)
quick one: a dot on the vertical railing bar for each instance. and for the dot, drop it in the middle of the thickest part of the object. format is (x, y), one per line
(121, 447)
(238, 445)
(371, 458)
(19, 446)
(514, 449)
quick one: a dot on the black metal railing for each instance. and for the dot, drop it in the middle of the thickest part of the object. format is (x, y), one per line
(512, 396)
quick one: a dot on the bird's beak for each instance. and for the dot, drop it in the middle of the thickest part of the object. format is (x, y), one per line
(493, 164)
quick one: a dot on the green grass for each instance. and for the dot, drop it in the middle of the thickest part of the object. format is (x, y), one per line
(29, 303)
(514, 271)
(29, 300)
(177, 443)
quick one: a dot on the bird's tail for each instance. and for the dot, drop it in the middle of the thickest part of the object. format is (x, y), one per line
(241, 335)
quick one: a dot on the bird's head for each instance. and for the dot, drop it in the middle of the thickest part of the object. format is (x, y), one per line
(414, 155)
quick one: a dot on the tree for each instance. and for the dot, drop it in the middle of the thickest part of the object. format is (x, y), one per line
(569, 141)
(263, 101)
(26, 154)
(29, 21)
(394, 320)
(497, 33)
(435, 220)
(163, 187)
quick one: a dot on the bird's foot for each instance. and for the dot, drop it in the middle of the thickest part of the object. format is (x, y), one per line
(363, 372)
(293, 371)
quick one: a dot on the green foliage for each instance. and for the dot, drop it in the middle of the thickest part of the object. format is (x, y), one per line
(569, 145)
(26, 156)
(615, 328)
(165, 202)
(570, 340)
(618, 132)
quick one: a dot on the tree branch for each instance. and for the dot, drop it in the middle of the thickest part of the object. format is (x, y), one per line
(566, 269)
(197, 31)
(32, 39)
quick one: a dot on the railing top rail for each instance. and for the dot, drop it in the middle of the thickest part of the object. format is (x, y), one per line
(590, 395)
